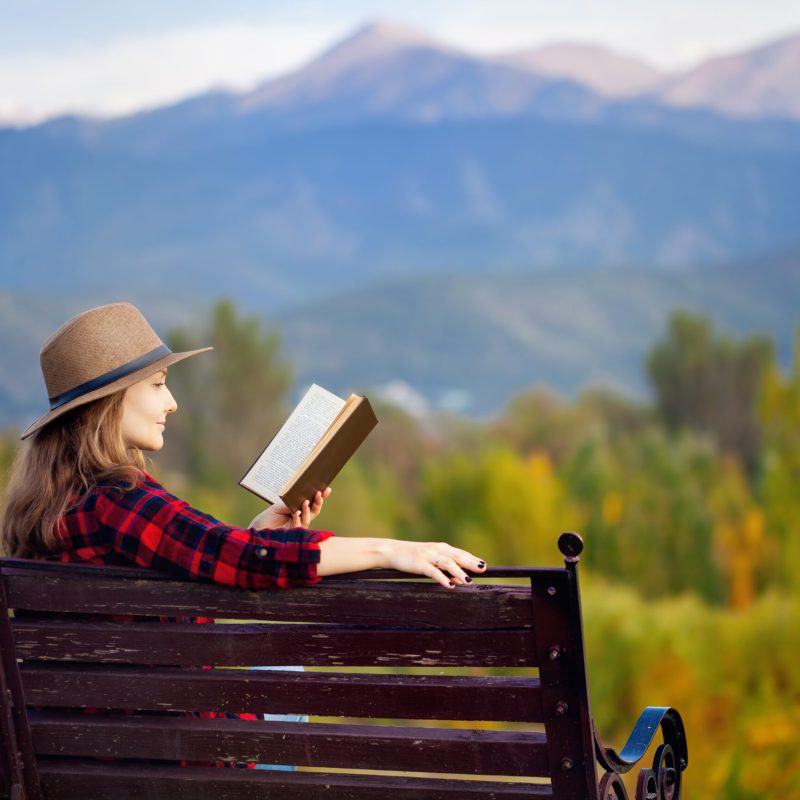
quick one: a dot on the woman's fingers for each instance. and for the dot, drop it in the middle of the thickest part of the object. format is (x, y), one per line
(449, 565)
(469, 561)
(310, 510)
(452, 562)
(319, 499)
(440, 562)
(465, 559)
(434, 572)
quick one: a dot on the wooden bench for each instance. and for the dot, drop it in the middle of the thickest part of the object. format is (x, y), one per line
(523, 735)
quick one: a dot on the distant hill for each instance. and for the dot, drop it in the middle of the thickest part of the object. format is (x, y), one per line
(460, 341)
(479, 339)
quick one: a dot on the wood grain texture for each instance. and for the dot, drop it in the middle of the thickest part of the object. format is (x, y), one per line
(408, 604)
(511, 699)
(376, 747)
(68, 780)
(265, 644)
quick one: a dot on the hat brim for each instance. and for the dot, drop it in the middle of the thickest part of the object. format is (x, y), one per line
(111, 388)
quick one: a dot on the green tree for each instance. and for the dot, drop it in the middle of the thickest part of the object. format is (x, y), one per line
(710, 383)
(780, 480)
(231, 400)
(645, 501)
(539, 420)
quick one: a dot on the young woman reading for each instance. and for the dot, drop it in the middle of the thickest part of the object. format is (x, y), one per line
(79, 490)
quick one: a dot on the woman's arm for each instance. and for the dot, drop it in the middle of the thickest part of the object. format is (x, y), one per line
(151, 528)
(437, 560)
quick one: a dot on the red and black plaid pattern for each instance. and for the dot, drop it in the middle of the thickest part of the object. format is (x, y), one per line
(148, 527)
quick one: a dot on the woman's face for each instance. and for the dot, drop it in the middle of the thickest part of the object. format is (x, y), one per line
(144, 412)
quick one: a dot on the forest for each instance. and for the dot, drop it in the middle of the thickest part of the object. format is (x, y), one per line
(687, 503)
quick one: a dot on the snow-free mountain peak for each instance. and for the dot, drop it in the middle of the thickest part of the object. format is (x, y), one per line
(759, 82)
(603, 70)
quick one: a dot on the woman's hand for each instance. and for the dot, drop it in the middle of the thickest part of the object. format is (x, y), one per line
(280, 516)
(438, 560)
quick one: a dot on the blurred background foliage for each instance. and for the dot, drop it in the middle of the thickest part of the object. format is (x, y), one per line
(688, 507)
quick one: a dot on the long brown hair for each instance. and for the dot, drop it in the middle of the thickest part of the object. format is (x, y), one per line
(59, 464)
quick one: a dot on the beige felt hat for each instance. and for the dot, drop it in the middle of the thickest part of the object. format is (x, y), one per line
(98, 353)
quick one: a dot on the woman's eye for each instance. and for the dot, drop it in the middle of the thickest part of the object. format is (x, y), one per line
(159, 385)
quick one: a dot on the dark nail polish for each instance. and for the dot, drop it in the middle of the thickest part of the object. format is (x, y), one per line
(468, 579)
(451, 584)
(481, 564)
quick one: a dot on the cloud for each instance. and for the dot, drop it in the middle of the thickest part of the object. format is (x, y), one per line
(127, 75)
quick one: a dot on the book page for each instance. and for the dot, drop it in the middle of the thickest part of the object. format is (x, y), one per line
(293, 442)
(336, 423)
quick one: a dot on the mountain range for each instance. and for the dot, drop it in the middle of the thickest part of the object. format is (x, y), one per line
(393, 153)
(395, 175)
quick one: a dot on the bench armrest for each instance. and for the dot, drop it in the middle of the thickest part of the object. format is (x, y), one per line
(642, 735)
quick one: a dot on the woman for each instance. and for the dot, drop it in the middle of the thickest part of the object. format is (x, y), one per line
(79, 490)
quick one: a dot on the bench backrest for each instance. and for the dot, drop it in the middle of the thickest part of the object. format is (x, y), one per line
(503, 732)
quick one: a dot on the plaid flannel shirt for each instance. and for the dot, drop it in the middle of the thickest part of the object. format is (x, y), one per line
(148, 527)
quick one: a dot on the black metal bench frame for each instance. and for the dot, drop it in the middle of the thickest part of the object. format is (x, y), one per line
(59, 656)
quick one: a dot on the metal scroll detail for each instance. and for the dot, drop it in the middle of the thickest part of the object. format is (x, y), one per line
(662, 782)
(653, 717)
(668, 774)
(612, 787)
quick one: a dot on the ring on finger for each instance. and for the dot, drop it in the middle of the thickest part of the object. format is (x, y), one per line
(439, 557)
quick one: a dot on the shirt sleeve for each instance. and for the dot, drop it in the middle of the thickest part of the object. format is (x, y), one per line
(152, 528)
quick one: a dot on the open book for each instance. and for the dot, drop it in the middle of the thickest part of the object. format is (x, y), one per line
(317, 440)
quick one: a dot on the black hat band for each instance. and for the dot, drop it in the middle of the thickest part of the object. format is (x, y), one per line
(109, 377)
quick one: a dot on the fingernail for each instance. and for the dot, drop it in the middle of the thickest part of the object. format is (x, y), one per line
(451, 584)
(481, 564)
(468, 579)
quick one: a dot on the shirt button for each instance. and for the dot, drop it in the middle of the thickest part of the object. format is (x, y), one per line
(261, 552)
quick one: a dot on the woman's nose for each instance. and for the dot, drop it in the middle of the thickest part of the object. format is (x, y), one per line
(171, 404)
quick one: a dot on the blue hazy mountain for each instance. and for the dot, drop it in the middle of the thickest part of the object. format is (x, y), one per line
(297, 214)
(389, 155)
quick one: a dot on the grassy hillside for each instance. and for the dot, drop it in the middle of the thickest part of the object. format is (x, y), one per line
(481, 338)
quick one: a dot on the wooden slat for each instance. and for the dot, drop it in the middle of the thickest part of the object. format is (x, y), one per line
(264, 644)
(380, 747)
(415, 604)
(510, 699)
(67, 780)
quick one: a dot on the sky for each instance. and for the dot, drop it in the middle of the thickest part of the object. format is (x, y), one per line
(101, 58)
